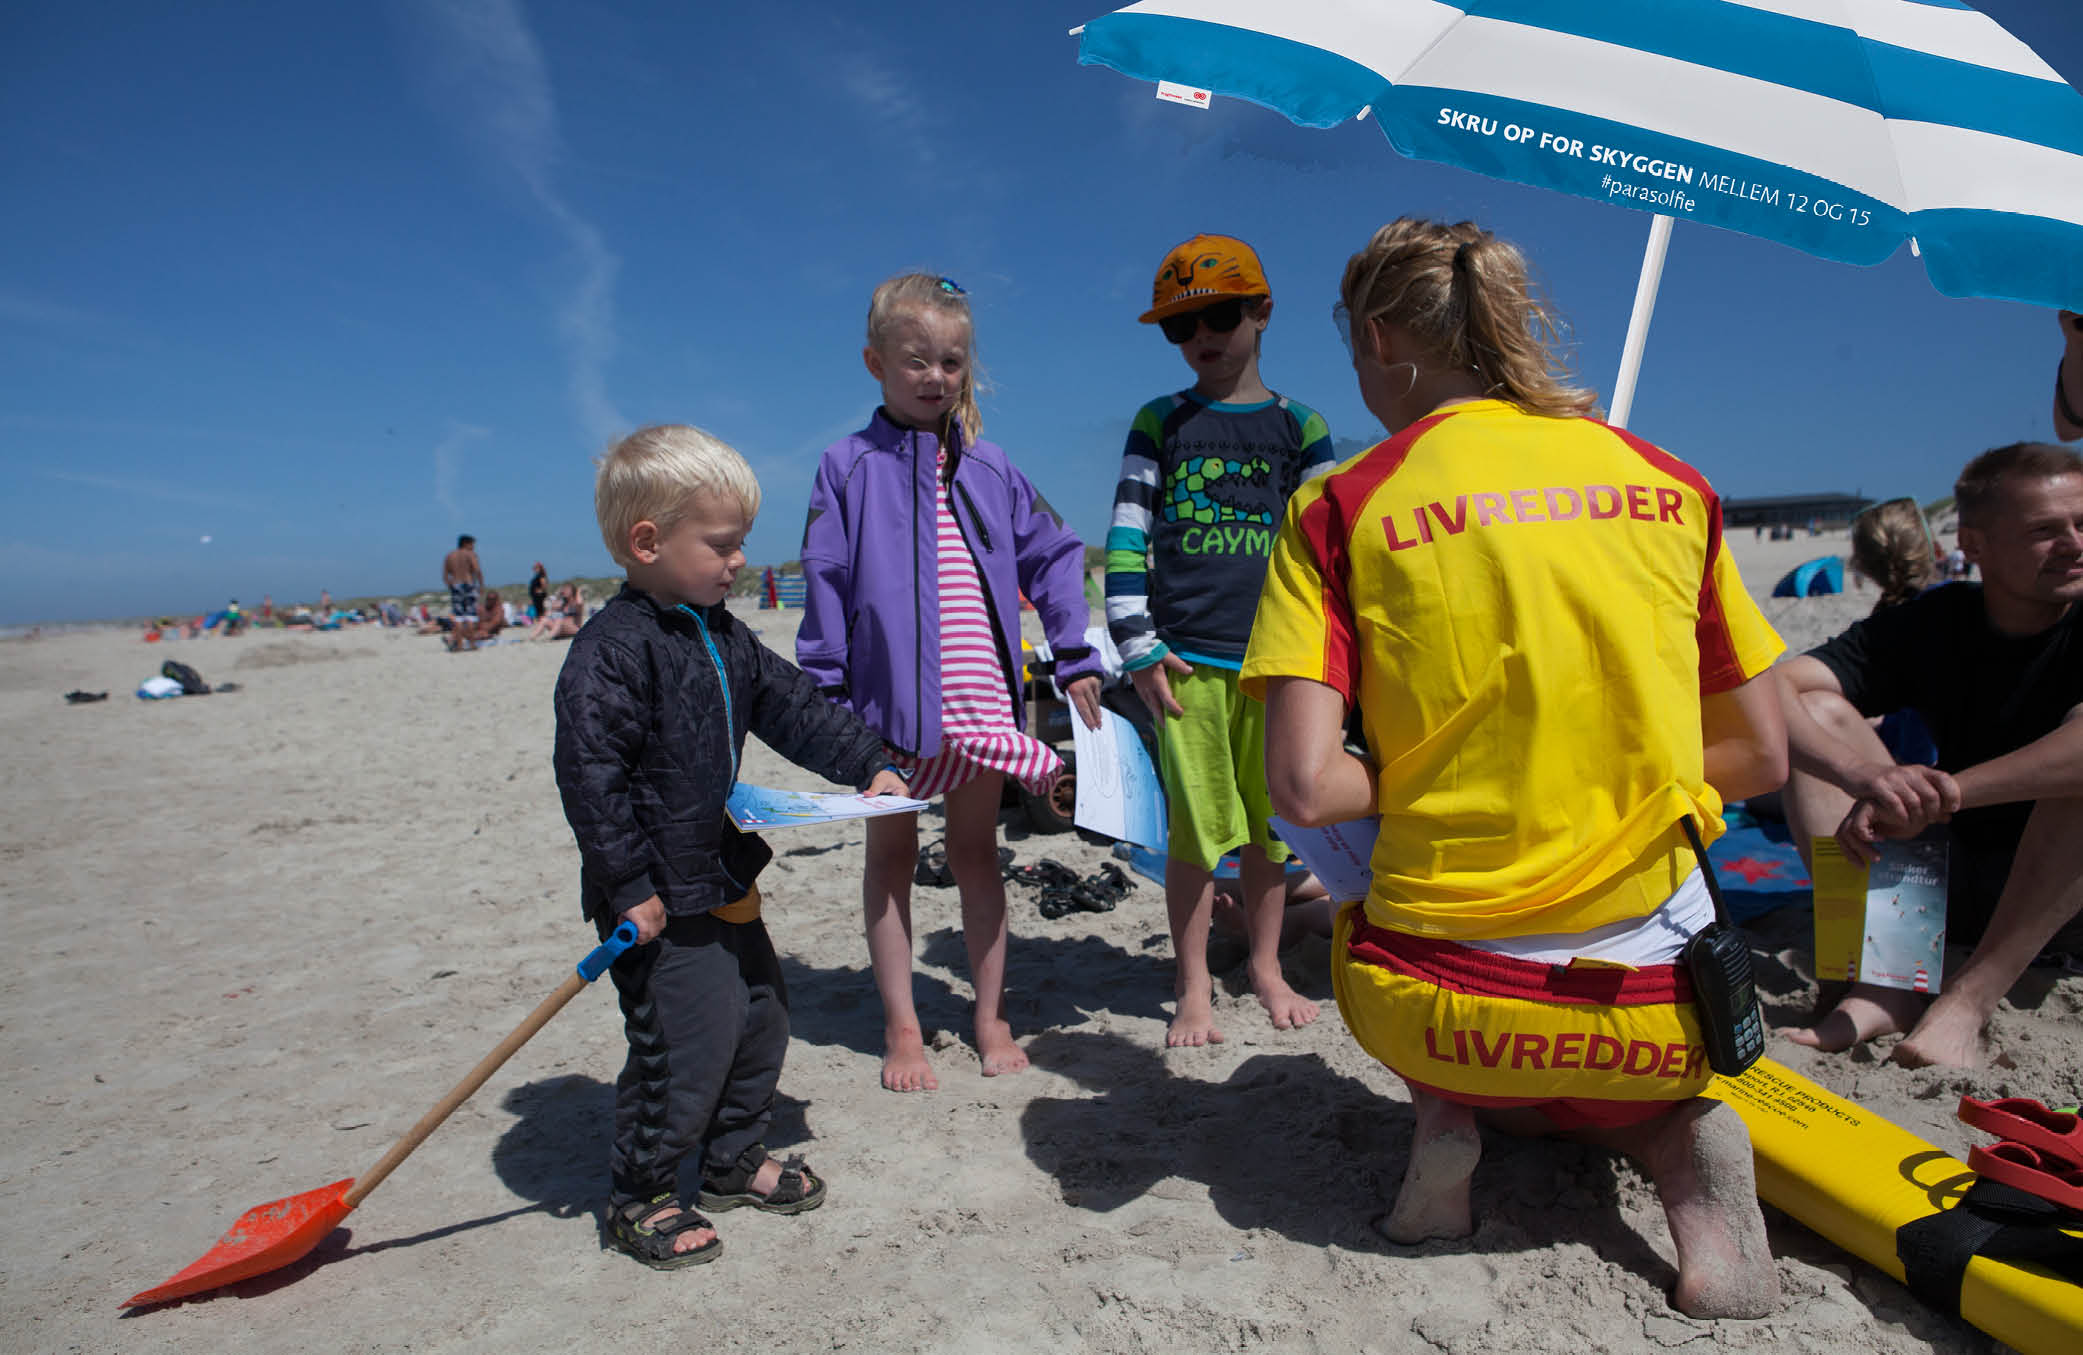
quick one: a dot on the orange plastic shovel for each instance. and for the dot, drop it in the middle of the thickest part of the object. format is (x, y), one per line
(270, 1236)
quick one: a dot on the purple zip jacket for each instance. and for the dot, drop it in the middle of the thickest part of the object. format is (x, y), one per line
(871, 613)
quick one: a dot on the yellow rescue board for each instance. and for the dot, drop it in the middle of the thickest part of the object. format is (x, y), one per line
(1855, 1178)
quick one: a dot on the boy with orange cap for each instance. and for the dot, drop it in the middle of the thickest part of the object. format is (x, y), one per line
(1204, 482)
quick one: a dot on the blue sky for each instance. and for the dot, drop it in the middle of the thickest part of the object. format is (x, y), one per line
(327, 285)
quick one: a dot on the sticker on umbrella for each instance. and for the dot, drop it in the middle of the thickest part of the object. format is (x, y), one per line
(1178, 94)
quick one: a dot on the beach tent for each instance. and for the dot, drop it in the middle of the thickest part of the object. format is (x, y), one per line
(1814, 579)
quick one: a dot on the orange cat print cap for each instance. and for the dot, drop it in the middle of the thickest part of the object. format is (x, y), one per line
(1203, 270)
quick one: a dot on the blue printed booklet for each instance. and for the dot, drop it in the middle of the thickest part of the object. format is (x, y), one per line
(1119, 793)
(1884, 924)
(753, 808)
(1340, 855)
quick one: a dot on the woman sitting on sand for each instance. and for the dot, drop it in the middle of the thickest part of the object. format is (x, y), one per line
(1540, 624)
(566, 614)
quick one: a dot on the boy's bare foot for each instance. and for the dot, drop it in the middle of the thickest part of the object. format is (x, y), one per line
(904, 1066)
(1433, 1201)
(1700, 1159)
(1867, 1012)
(1287, 1008)
(1193, 1023)
(1000, 1052)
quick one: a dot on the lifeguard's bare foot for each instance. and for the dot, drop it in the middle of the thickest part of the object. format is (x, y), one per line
(1866, 1013)
(1285, 1007)
(904, 1066)
(1000, 1053)
(1434, 1199)
(1700, 1158)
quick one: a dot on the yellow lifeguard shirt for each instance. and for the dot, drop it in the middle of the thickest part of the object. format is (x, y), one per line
(1527, 611)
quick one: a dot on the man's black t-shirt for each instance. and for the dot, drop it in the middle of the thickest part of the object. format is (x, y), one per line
(1982, 694)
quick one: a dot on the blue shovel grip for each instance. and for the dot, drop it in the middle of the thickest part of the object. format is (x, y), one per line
(601, 956)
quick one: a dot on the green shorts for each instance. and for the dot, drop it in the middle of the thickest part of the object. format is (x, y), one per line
(1213, 760)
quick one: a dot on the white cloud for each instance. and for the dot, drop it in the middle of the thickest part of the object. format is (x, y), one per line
(486, 71)
(150, 489)
(448, 465)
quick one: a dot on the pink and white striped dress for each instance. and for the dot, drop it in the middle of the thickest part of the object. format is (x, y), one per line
(976, 712)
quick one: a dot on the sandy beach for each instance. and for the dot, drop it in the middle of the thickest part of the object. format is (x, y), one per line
(257, 934)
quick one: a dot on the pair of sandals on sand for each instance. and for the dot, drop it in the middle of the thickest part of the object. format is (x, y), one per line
(649, 1229)
(2039, 1151)
(1063, 892)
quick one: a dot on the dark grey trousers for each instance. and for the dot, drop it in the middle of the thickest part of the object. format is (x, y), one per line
(706, 1016)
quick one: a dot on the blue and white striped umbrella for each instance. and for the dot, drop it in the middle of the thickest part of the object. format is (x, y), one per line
(1840, 127)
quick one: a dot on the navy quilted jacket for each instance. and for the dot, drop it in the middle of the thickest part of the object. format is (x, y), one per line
(653, 706)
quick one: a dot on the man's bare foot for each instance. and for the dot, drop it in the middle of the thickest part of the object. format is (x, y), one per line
(1867, 1012)
(1700, 1158)
(1193, 1023)
(1001, 1053)
(1284, 1005)
(1433, 1201)
(1950, 1036)
(904, 1066)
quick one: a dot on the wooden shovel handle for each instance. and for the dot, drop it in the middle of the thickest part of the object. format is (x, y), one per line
(623, 937)
(446, 1106)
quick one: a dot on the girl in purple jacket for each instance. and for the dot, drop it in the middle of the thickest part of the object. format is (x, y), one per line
(920, 543)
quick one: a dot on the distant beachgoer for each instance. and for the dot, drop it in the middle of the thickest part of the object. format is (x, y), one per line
(267, 609)
(2068, 379)
(1892, 545)
(538, 591)
(1548, 688)
(325, 605)
(921, 540)
(653, 706)
(461, 572)
(566, 615)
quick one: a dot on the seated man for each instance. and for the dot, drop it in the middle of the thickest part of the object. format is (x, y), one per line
(1996, 672)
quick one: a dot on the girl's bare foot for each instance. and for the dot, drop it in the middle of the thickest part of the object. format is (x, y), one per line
(1287, 1008)
(904, 1066)
(1866, 1013)
(1001, 1053)
(1193, 1023)
(1433, 1201)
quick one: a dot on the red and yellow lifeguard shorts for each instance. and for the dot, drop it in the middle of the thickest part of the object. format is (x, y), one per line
(1589, 1044)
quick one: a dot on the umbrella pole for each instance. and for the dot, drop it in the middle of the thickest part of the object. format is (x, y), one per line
(1638, 323)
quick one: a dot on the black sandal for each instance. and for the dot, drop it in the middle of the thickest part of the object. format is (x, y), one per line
(797, 1190)
(637, 1230)
(932, 868)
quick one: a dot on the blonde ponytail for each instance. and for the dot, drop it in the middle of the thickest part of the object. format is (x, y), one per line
(1463, 294)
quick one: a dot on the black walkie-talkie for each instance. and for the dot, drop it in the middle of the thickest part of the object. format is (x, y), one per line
(1718, 958)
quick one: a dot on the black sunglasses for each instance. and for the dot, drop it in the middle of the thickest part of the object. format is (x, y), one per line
(1220, 318)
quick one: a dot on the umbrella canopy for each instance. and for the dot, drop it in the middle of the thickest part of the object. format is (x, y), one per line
(1840, 127)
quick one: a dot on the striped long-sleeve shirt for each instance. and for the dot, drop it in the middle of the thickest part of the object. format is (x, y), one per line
(1202, 490)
